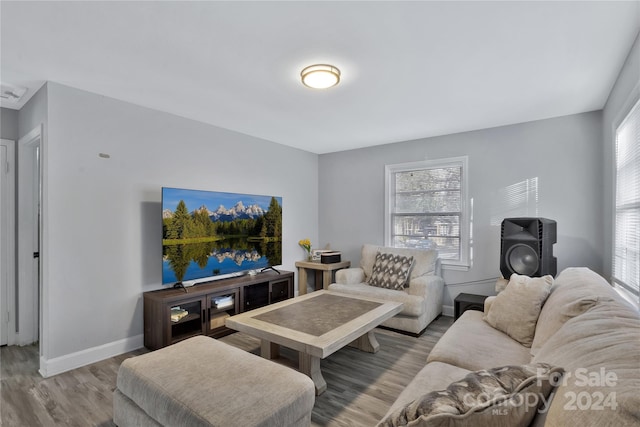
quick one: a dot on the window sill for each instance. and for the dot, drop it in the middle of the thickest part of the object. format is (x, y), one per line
(630, 297)
(455, 267)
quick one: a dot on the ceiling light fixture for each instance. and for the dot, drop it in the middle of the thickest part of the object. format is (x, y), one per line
(320, 76)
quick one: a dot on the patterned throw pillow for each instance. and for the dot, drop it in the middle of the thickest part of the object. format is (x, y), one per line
(390, 271)
(504, 396)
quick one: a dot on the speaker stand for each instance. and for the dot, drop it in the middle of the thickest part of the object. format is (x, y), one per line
(464, 302)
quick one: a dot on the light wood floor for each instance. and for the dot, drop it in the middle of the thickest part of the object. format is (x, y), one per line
(360, 386)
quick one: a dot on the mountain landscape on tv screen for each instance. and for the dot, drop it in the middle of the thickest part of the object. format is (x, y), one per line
(238, 211)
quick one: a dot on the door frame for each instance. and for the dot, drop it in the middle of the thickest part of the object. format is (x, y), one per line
(8, 241)
(29, 327)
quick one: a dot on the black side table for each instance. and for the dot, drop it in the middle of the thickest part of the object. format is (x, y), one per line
(464, 302)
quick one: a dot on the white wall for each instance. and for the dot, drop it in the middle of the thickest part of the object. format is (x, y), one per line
(104, 224)
(564, 154)
(623, 96)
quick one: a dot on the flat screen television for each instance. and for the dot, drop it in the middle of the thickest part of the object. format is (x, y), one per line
(211, 234)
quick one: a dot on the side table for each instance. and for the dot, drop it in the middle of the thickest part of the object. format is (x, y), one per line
(464, 302)
(324, 272)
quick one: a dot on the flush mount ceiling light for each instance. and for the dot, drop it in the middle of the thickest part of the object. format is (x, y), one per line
(320, 76)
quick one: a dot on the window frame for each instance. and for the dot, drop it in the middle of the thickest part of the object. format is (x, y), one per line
(632, 105)
(464, 263)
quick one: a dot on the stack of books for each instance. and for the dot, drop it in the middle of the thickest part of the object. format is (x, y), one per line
(177, 313)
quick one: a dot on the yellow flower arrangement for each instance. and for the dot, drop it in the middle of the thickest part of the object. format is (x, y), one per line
(306, 244)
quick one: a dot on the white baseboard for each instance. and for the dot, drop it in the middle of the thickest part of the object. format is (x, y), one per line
(447, 310)
(55, 366)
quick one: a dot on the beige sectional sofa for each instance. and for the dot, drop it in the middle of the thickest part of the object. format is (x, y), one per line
(584, 327)
(422, 298)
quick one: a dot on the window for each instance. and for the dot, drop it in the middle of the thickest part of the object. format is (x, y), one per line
(626, 245)
(426, 208)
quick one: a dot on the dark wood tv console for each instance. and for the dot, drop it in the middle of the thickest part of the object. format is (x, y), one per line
(172, 315)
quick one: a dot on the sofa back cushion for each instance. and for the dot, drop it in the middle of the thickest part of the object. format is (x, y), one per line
(515, 310)
(574, 291)
(424, 261)
(600, 353)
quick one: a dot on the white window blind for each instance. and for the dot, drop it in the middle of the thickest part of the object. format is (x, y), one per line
(626, 250)
(426, 208)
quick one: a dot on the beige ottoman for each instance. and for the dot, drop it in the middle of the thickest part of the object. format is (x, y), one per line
(205, 382)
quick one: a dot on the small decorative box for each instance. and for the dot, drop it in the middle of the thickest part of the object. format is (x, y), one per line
(330, 257)
(317, 252)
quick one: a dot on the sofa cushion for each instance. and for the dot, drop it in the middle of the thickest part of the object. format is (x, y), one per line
(574, 291)
(502, 396)
(552, 320)
(515, 310)
(390, 271)
(424, 261)
(600, 351)
(473, 344)
(412, 305)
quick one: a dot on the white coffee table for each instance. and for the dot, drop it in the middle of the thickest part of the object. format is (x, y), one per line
(316, 325)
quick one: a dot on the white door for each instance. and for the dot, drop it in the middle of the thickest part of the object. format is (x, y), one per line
(7, 241)
(28, 237)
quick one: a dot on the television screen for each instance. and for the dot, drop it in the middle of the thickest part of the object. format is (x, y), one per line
(209, 234)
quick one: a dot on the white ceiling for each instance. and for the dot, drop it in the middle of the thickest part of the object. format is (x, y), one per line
(409, 69)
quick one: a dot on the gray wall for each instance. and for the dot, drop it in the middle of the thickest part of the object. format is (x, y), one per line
(623, 96)
(9, 124)
(34, 113)
(103, 223)
(563, 154)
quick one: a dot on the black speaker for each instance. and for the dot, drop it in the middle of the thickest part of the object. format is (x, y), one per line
(526, 247)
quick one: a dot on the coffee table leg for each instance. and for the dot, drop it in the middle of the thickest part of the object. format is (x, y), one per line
(366, 342)
(269, 350)
(310, 366)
